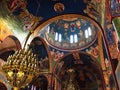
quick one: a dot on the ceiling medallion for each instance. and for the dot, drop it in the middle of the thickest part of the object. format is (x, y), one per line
(59, 7)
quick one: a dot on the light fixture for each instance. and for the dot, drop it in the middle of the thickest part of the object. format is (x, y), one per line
(21, 68)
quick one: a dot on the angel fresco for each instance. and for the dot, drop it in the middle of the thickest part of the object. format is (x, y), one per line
(72, 27)
(78, 23)
(13, 5)
(81, 34)
(109, 32)
(66, 26)
(38, 48)
(108, 67)
(28, 20)
(115, 7)
(94, 51)
(93, 9)
(56, 55)
(44, 62)
(19, 7)
(90, 10)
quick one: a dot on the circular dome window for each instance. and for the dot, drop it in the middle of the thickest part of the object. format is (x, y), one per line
(70, 33)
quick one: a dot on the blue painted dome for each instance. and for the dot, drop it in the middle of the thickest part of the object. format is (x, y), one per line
(70, 34)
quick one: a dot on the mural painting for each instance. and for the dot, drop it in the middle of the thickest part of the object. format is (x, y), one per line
(40, 50)
(95, 9)
(70, 35)
(114, 8)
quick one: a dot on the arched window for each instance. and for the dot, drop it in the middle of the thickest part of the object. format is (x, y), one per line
(89, 31)
(56, 36)
(60, 38)
(75, 38)
(71, 38)
(86, 33)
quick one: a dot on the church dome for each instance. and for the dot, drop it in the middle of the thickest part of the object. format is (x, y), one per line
(70, 33)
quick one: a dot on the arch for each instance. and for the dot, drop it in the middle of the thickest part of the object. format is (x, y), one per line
(66, 16)
(39, 83)
(10, 43)
(100, 32)
(84, 68)
(4, 82)
(17, 42)
(3, 86)
(6, 54)
(39, 47)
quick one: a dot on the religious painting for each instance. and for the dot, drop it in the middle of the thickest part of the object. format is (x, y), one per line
(56, 54)
(40, 48)
(110, 70)
(10, 24)
(40, 83)
(74, 76)
(109, 32)
(70, 34)
(29, 21)
(94, 9)
(15, 5)
(112, 35)
(114, 8)
(94, 51)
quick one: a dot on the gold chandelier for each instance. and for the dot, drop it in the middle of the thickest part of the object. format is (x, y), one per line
(21, 68)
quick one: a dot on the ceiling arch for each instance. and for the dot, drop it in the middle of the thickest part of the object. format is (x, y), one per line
(65, 16)
(95, 28)
(80, 71)
(40, 48)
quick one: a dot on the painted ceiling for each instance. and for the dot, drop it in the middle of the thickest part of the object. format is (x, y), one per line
(19, 17)
(70, 34)
(48, 8)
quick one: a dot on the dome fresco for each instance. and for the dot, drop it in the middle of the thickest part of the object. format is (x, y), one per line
(70, 34)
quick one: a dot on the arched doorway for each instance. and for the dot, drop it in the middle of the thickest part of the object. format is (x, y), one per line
(2, 86)
(40, 83)
(84, 73)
